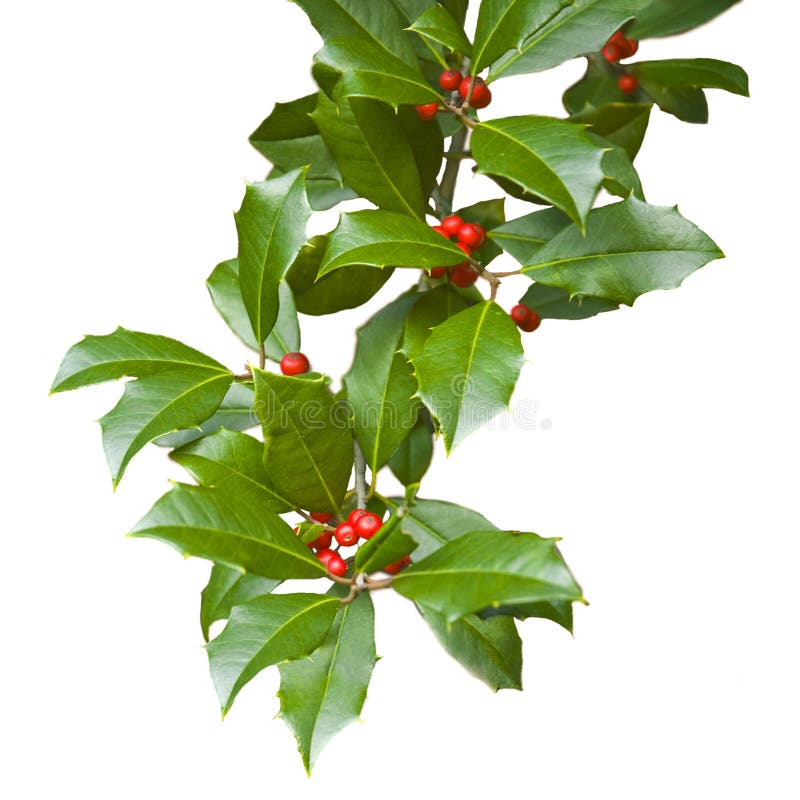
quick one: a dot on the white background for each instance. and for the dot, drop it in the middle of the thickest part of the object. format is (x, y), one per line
(670, 467)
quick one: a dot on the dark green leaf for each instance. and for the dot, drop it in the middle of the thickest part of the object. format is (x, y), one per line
(458, 8)
(344, 288)
(271, 226)
(265, 631)
(309, 447)
(213, 524)
(558, 611)
(324, 693)
(552, 158)
(431, 309)
(668, 17)
(226, 588)
(468, 369)
(411, 460)
(622, 179)
(597, 88)
(629, 248)
(234, 462)
(386, 239)
(523, 237)
(427, 146)
(623, 124)
(387, 546)
(486, 568)
(438, 25)
(692, 73)
(491, 649)
(553, 303)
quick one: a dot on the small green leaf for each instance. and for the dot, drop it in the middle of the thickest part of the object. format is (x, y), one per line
(552, 158)
(217, 525)
(411, 460)
(490, 649)
(308, 443)
(437, 24)
(552, 303)
(323, 694)
(342, 289)
(668, 17)
(265, 631)
(523, 237)
(692, 73)
(597, 88)
(623, 124)
(468, 369)
(386, 239)
(686, 103)
(621, 179)
(271, 227)
(558, 611)
(387, 546)
(226, 588)
(629, 248)
(234, 462)
(486, 568)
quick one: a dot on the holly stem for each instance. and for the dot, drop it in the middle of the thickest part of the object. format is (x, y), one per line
(447, 188)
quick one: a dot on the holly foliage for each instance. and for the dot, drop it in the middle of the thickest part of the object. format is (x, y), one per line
(395, 118)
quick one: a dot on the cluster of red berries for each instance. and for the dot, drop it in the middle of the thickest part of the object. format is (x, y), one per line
(526, 318)
(452, 80)
(619, 47)
(360, 524)
(470, 236)
(294, 364)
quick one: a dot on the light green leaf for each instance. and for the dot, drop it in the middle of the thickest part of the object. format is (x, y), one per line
(431, 309)
(342, 289)
(373, 152)
(234, 462)
(523, 237)
(692, 73)
(668, 17)
(411, 460)
(629, 248)
(486, 568)
(623, 124)
(381, 388)
(265, 631)
(386, 239)
(468, 369)
(552, 303)
(323, 694)
(491, 649)
(217, 525)
(552, 158)
(271, 226)
(308, 443)
(226, 588)
(438, 25)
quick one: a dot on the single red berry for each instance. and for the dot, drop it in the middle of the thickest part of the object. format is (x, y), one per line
(463, 275)
(322, 542)
(336, 565)
(521, 314)
(472, 235)
(355, 514)
(393, 569)
(440, 229)
(451, 225)
(324, 556)
(320, 517)
(533, 322)
(628, 83)
(481, 96)
(428, 111)
(294, 364)
(612, 52)
(438, 272)
(464, 86)
(368, 525)
(618, 39)
(346, 534)
(450, 80)
(631, 48)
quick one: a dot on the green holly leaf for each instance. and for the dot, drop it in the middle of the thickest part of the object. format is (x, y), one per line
(431, 309)
(427, 146)
(468, 369)
(623, 124)
(692, 73)
(322, 694)
(629, 248)
(437, 24)
(373, 152)
(552, 158)
(553, 303)
(265, 631)
(217, 525)
(308, 443)
(289, 138)
(387, 546)
(579, 27)
(271, 226)
(386, 239)
(668, 17)
(411, 460)
(490, 649)
(226, 588)
(621, 179)
(429, 52)
(458, 8)
(342, 289)
(226, 294)
(357, 68)
(234, 462)
(381, 388)
(235, 412)
(523, 237)
(558, 611)
(485, 568)
(597, 88)
(124, 353)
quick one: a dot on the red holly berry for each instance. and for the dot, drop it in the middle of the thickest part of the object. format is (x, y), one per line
(428, 111)
(618, 39)
(628, 83)
(481, 95)
(355, 514)
(294, 364)
(368, 525)
(320, 517)
(438, 272)
(633, 48)
(521, 314)
(322, 542)
(440, 229)
(532, 323)
(452, 225)
(336, 565)
(346, 534)
(612, 52)
(324, 556)
(472, 235)
(393, 569)
(464, 248)
(463, 275)
(450, 80)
